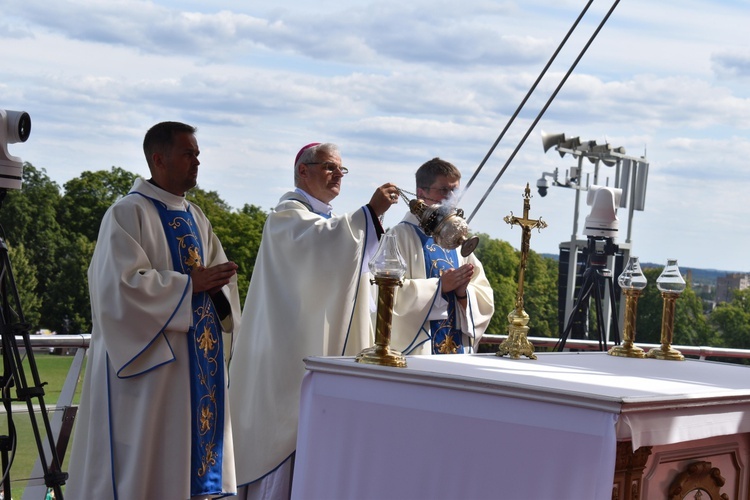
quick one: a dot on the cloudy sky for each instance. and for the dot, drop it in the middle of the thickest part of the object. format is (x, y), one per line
(397, 83)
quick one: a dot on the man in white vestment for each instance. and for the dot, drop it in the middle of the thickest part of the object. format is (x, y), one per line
(153, 421)
(308, 296)
(446, 302)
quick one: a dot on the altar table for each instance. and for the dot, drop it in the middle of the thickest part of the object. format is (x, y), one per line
(482, 426)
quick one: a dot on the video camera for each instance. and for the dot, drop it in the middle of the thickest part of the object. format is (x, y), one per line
(602, 221)
(15, 126)
(602, 224)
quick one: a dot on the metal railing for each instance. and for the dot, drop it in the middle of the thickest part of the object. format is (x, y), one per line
(702, 352)
(62, 413)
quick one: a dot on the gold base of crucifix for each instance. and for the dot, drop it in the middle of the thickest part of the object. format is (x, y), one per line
(517, 344)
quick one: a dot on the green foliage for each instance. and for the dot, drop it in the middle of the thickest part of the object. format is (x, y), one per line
(69, 294)
(88, 197)
(732, 320)
(238, 231)
(209, 201)
(51, 238)
(540, 295)
(501, 265)
(24, 274)
(30, 218)
(54, 237)
(650, 304)
(690, 324)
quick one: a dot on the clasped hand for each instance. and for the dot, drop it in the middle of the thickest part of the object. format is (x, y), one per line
(211, 279)
(456, 280)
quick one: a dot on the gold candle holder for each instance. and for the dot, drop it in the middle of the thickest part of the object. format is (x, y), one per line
(381, 353)
(517, 344)
(671, 285)
(388, 267)
(632, 282)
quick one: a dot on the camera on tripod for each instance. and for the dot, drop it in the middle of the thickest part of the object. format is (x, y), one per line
(601, 229)
(15, 126)
(602, 224)
(602, 221)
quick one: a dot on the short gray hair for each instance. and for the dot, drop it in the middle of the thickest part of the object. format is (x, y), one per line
(310, 154)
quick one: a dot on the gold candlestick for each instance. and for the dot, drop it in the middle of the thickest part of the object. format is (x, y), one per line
(632, 282)
(389, 267)
(381, 353)
(628, 349)
(517, 343)
(671, 285)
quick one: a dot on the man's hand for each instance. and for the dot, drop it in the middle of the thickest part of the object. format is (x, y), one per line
(456, 280)
(385, 196)
(211, 279)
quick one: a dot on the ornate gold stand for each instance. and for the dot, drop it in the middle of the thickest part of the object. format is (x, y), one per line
(627, 349)
(517, 343)
(381, 353)
(666, 351)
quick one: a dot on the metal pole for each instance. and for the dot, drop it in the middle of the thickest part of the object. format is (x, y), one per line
(573, 249)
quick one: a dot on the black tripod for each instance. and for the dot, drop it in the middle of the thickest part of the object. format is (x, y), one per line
(594, 277)
(12, 324)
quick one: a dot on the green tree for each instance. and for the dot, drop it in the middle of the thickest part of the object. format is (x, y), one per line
(732, 320)
(540, 295)
(239, 232)
(30, 217)
(690, 324)
(500, 262)
(88, 196)
(69, 292)
(24, 275)
(501, 265)
(210, 202)
(80, 211)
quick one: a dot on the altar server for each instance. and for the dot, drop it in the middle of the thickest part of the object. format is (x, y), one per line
(153, 421)
(446, 302)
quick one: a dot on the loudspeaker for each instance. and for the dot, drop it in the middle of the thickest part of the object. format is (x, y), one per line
(551, 140)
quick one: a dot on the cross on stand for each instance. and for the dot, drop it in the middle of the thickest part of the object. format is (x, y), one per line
(517, 343)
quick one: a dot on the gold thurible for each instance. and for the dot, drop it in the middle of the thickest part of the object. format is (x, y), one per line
(517, 344)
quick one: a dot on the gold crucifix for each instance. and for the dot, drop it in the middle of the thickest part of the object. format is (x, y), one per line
(517, 343)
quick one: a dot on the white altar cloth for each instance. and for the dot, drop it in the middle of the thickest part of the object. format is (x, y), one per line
(482, 426)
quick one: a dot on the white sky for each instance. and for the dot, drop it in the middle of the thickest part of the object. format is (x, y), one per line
(395, 84)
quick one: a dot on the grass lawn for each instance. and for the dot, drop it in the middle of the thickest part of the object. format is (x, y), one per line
(52, 369)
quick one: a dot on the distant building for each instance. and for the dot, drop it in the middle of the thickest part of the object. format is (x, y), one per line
(726, 285)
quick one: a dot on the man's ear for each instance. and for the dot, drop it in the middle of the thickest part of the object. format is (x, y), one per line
(157, 160)
(302, 171)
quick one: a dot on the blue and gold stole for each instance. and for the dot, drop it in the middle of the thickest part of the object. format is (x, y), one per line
(206, 358)
(446, 338)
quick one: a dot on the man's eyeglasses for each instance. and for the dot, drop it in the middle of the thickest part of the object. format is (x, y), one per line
(330, 167)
